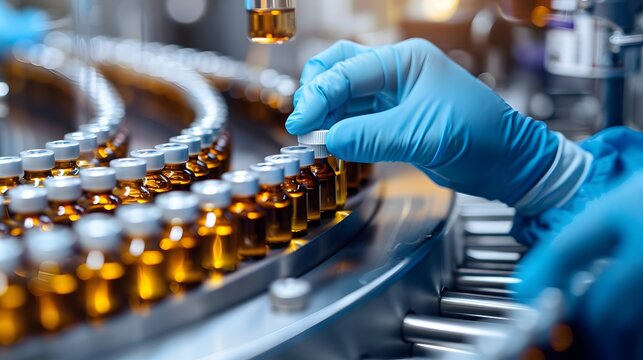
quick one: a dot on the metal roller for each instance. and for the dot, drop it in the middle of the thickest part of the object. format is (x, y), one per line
(494, 256)
(485, 281)
(482, 272)
(492, 241)
(456, 304)
(427, 330)
(438, 350)
(489, 228)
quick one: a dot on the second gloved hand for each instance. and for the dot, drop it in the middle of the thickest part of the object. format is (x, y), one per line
(15, 26)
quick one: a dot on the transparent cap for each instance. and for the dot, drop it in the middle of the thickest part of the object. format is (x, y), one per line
(87, 141)
(10, 166)
(243, 183)
(129, 168)
(55, 245)
(305, 154)
(11, 251)
(317, 141)
(178, 205)
(63, 188)
(98, 179)
(174, 153)
(64, 150)
(193, 143)
(154, 159)
(99, 232)
(206, 135)
(213, 193)
(290, 163)
(37, 160)
(102, 132)
(140, 220)
(26, 199)
(269, 173)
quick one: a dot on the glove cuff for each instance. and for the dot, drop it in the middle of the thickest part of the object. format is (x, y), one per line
(565, 176)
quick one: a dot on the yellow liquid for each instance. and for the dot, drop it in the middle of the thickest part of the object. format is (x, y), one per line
(313, 197)
(55, 292)
(297, 194)
(220, 251)
(99, 203)
(102, 287)
(273, 26)
(65, 169)
(132, 192)
(278, 209)
(15, 314)
(146, 280)
(65, 213)
(179, 175)
(35, 178)
(248, 227)
(182, 258)
(105, 153)
(157, 183)
(199, 168)
(327, 187)
(24, 222)
(341, 191)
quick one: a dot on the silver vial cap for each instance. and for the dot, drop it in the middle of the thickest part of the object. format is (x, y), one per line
(215, 127)
(174, 153)
(140, 220)
(99, 232)
(88, 142)
(101, 131)
(11, 250)
(64, 150)
(305, 154)
(112, 124)
(10, 166)
(129, 168)
(63, 188)
(26, 199)
(178, 205)
(193, 143)
(290, 163)
(213, 193)
(203, 133)
(98, 179)
(55, 245)
(242, 183)
(317, 141)
(290, 294)
(37, 160)
(154, 159)
(269, 173)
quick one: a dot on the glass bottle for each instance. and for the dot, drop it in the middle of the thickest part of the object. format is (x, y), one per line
(154, 179)
(97, 184)
(37, 165)
(141, 252)
(101, 271)
(105, 152)
(275, 203)
(119, 136)
(196, 165)
(341, 191)
(63, 194)
(214, 227)
(221, 140)
(52, 278)
(295, 191)
(248, 218)
(206, 155)
(28, 205)
(306, 177)
(10, 172)
(66, 154)
(323, 171)
(88, 144)
(181, 248)
(352, 177)
(129, 181)
(16, 306)
(271, 22)
(176, 158)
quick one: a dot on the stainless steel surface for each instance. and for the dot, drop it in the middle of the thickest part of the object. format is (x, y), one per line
(497, 282)
(495, 256)
(464, 305)
(424, 329)
(481, 227)
(270, 4)
(441, 349)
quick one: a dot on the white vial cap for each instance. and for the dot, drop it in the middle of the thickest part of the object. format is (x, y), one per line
(193, 143)
(98, 179)
(37, 160)
(87, 141)
(243, 183)
(290, 163)
(101, 131)
(10, 166)
(63, 188)
(305, 154)
(155, 159)
(26, 199)
(174, 153)
(214, 127)
(213, 193)
(99, 232)
(317, 141)
(290, 294)
(269, 173)
(140, 220)
(203, 133)
(178, 205)
(55, 245)
(64, 150)
(112, 123)
(11, 250)
(129, 168)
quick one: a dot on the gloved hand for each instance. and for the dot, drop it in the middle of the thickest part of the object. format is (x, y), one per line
(26, 25)
(612, 308)
(409, 102)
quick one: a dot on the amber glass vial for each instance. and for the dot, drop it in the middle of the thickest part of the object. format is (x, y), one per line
(10, 172)
(97, 184)
(295, 191)
(52, 278)
(88, 144)
(248, 218)
(194, 164)
(66, 154)
(276, 204)
(214, 227)
(119, 137)
(105, 152)
(16, 308)
(221, 140)
(154, 179)
(141, 253)
(129, 181)
(179, 243)
(271, 22)
(341, 190)
(37, 165)
(63, 194)
(306, 156)
(323, 171)
(176, 158)
(28, 205)
(208, 155)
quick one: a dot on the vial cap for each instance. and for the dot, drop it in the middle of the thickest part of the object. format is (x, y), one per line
(140, 220)
(63, 188)
(101, 131)
(290, 163)
(178, 205)
(305, 154)
(98, 179)
(26, 199)
(215, 127)
(203, 133)
(129, 168)
(317, 141)
(154, 159)
(213, 193)
(64, 150)
(242, 183)
(87, 141)
(11, 250)
(112, 123)
(269, 173)
(193, 143)
(290, 294)
(10, 166)
(174, 153)
(55, 245)
(37, 160)
(99, 232)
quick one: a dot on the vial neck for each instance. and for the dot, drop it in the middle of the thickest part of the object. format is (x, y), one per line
(290, 180)
(129, 183)
(61, 203)
(41, 174)
(176, 167)
(243, 199)
(106, 192)
(194, 157)
(87, 155)
(8, 183)
(321, 162)
(65, 165)
(154, 173)
(271, 188)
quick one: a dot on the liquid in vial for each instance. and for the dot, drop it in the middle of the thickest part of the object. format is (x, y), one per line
(119, 136)
(275, 203)
(10, 172)
(154, 179)
(97, 184)
(88, 144)
(66, 154)
(105, 152)
(194, 164)
(37, 165)
(271, 26)
(208, 155)
(63, 194)
(28, 205)
(306, 156)
(323, 171)
(339, 166)
(129, 181)
(16, 320)
(221, 141)
(176, 158)
(295, 191)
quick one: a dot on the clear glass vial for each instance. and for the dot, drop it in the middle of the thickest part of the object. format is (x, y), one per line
(97, 184)
(63, 194)
(323, 171)
(16, 308)
(341, 190)
(37, 165)
(295, 191)
(88, 144)
(176, 158)
(154, 179)
(195, 164)
(106, 151)
(208, 155)
(276, 204)
(130, 173)
(271, 21)
(10, 172)
(306, 156)
(28, 205)
(66, 154)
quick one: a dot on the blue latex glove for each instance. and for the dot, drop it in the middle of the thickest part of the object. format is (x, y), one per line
(15, 26)
(409, 102)
(612, 308)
